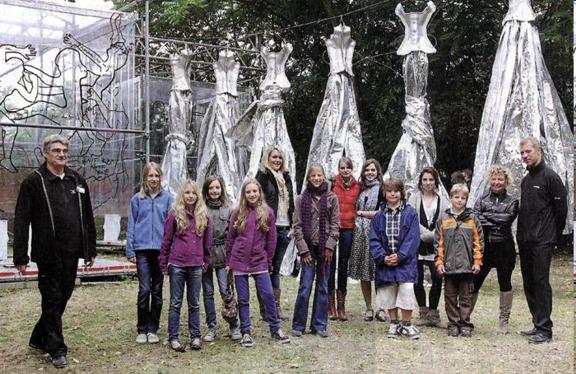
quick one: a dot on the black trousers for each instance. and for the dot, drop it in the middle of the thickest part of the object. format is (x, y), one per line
(56, 283)
(501, 256)
(535, 266)
(435, 290)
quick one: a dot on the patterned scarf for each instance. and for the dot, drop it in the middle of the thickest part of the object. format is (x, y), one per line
(368, 198)
(283, 194)
(306, 213)
(213, 204)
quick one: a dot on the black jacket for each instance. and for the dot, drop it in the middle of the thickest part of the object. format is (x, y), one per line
(270, 188)
(543, 207)
(34, 208)
(496, 214)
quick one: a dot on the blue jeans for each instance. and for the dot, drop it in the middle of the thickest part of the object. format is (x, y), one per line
(281, 245)
(150, 280)
(319, 320)
(191, 277)
(344, 249)
(208, 294)
(264, 289)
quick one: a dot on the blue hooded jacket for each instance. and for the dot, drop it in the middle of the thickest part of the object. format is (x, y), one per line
(408, 242)
(146, 220)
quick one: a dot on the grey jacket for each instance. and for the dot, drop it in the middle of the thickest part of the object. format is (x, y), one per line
(219, 218)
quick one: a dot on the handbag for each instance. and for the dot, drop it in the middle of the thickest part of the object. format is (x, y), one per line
(230, 304)
(291, 261)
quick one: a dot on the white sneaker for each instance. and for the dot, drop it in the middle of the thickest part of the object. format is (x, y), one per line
(210, 335)
(409, 331)
(142, 339)
(393, 330)
(235, 334)
(152, 338)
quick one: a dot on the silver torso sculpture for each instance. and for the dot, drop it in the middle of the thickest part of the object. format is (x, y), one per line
(417, 147)
(522, 101)
(337, 130)
(216, 151)
(415, 34)
(174, 163)
(263, 123)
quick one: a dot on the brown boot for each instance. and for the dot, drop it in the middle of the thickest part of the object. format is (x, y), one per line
(332, 306)
(505, 308)
(277, 295)
(434, 319)
(342, 306)
(422, 317)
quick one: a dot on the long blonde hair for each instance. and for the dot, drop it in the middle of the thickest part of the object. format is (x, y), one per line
(200, 212)
(145, 171)
(261, 209)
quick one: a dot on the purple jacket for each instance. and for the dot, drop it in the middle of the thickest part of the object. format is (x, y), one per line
(252, 250)
(187, 249)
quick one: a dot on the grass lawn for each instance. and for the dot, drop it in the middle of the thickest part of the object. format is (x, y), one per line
(99, 327)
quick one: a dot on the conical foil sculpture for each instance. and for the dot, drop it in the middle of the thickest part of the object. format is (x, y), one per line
(337, 130)
(174, 163)
(263, 124)
(522, 101)
(417, 147)
(215, 150)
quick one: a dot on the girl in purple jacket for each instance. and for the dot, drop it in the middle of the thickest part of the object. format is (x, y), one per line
(250, 246)
(185, 255)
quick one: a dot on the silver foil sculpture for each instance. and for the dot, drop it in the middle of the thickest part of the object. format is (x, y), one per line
(174, 163)
(216, 151)
(263, 123)
(337, 130)
(522, 101)
(417, 147)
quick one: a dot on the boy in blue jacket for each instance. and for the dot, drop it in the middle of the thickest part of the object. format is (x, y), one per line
(394, 241)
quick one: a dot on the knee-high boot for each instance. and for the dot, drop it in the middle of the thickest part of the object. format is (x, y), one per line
(505, 308)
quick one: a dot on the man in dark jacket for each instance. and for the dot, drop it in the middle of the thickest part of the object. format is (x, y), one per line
(542, 216)
(55, 201)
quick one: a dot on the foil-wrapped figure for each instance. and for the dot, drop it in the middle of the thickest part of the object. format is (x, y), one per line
(522, 101)
(417, 147)
(263, 123)
(215, 150)
(174, 164)
(337, 130)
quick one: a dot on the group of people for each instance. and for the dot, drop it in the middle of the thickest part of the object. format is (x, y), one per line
(369, 229)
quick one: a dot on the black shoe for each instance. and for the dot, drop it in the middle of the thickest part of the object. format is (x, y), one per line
(531, 332)
(59, 362)
(539, 338)
(320, 333)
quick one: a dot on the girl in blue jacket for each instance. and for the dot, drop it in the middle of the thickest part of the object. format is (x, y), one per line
(394, 240)
(148, 210)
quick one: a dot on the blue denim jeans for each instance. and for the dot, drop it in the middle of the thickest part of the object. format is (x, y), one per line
(150, 280)
(281, 245)
(191, 278)
(208, 294)
(344, 249)
(319, 321)
(264, 288)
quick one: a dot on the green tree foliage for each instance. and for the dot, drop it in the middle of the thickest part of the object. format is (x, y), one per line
(466, 35)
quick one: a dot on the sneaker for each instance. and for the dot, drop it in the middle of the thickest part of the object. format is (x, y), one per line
(320, 333)
(466, 331)
(409, 331)
(177, 346)
(453, 330)
(281, 337)
(210, 335)
(196, 344)
(235, 334)
(393, 330)
(297, 333)
(142, 338)
(246, 341)
(152, 338)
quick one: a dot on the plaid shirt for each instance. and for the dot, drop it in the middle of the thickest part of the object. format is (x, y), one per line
(393, 226)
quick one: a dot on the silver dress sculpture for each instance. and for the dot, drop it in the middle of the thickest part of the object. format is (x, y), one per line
(522, 101)
(174, 163)
(215, 150)
(263, 123)
(337, 130)
(417, 147)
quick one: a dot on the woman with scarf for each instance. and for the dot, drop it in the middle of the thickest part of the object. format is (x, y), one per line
(276, 183)
(346, 189)
(361, 265)
(316, 229)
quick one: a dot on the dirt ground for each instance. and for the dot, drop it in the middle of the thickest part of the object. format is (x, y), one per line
(99, 326)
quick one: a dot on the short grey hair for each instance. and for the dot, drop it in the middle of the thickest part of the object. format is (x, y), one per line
(54, 138)
(532, 141)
